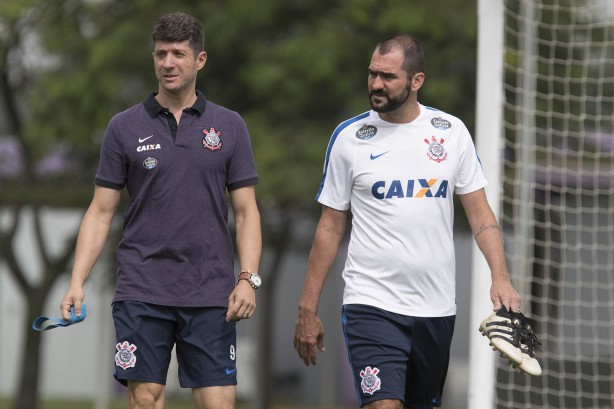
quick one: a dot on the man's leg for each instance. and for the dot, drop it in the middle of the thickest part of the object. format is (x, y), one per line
(378, 352)
(144, 336)
(214, 397)
(384, 404)
(145, 395)
(206, 354)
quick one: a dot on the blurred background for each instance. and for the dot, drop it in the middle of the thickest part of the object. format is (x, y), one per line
(294, 69)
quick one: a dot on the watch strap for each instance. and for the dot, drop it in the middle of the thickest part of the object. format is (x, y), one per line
(247, 279)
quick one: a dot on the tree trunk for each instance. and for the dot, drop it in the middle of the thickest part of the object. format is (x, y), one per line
(265, 375)
(27, 396)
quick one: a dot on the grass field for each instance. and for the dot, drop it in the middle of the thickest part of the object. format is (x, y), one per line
(170, 404)
(115, 404)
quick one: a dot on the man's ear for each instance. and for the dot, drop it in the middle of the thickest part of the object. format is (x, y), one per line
(201, 58)
(416, 81)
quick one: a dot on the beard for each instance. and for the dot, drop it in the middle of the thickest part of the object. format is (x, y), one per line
(392, 103)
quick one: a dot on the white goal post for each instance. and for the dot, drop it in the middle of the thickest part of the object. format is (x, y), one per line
(545, 135)
(488, 136)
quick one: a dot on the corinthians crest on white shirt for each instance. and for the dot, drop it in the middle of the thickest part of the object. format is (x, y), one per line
(436, 151)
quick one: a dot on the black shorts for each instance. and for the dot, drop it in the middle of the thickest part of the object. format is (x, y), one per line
(396, 356)
(145, 336)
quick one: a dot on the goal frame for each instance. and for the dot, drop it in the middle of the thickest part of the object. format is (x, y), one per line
(489, 136)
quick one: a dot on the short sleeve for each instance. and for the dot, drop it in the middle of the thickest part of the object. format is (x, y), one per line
(112, 166)
(470, 174)
(336, 185)
(242, 167)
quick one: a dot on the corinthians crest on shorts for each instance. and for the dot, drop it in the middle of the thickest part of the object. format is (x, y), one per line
(124, 357)
(436, 152)
(370, 381)
(212, 139)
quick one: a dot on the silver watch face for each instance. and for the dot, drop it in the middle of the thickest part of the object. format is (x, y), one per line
(255, 280)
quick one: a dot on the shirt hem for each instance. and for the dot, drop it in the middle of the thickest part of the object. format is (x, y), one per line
(410, 312)
(174, 303)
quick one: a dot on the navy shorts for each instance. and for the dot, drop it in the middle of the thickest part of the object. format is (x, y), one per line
(396, 356)
(146, 333)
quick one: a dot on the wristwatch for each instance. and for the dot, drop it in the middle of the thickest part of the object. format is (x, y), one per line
(252, 278)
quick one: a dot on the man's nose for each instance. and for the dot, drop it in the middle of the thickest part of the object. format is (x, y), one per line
(168, 61)
(377, 83)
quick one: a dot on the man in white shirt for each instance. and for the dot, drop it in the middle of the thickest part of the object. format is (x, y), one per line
(397, 168)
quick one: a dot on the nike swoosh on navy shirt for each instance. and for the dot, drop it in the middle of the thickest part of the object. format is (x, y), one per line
(373, 157)
(141, 140)
(230, 371)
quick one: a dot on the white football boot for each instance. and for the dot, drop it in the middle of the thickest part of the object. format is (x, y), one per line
(503, 331)
(528, 345)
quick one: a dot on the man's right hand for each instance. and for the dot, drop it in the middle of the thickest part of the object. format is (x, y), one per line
(308, 334)
(73, 298)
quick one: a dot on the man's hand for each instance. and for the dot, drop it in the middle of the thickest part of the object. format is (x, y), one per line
(73, 298)
(242, 302)
(503, 294)
(308, 334)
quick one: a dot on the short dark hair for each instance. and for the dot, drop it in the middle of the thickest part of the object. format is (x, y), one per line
(413, 61)
(178, 27)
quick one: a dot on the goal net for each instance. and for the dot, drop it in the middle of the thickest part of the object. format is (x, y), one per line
(557, 200)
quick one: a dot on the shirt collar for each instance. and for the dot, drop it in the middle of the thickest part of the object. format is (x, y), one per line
(153, 107)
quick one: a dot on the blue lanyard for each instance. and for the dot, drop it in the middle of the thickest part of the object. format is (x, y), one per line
(45, 323)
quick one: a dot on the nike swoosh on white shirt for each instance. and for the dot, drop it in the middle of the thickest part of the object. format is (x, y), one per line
(144, 139)
(373, 157)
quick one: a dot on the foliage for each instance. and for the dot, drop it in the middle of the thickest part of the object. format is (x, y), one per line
(293, 69)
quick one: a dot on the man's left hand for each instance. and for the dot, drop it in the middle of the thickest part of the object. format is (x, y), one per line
(242, 302)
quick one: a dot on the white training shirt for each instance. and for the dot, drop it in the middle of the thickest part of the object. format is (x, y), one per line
(399, 180)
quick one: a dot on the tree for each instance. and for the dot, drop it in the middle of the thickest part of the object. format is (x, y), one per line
(293, 69)
(14, 79)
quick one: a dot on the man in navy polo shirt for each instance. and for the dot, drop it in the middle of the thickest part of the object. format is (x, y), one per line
(177, 154)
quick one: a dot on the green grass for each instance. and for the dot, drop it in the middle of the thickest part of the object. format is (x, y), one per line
(170, 404)
(121, 404)
(114, 404)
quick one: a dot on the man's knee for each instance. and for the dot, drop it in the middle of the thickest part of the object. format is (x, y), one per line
(144, 395)
(385, 404)
(214, 397)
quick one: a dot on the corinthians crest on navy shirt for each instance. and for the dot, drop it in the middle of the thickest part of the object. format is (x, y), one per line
(212, 139)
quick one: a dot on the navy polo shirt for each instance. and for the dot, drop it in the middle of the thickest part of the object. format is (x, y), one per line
(176, 247)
